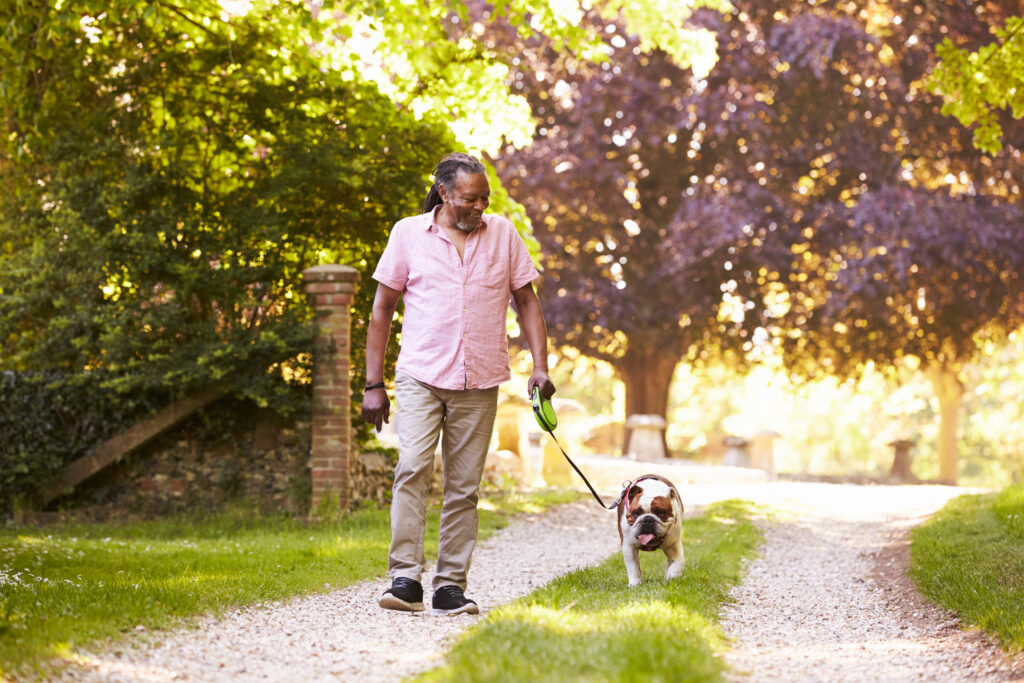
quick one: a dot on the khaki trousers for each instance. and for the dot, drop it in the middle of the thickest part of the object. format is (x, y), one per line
(465, 420)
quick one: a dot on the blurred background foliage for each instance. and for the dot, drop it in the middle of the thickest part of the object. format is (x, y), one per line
(808, 201)
(721, 195)
(826, 426)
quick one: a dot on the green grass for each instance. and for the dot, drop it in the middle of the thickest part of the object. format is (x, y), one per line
(590, 626)
(74, 585)
(970, 559)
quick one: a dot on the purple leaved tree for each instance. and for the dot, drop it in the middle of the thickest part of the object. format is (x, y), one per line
(679, 216)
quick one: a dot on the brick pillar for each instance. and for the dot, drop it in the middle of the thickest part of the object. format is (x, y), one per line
(330, 289)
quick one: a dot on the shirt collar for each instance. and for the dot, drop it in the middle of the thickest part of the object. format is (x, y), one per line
(428, 218)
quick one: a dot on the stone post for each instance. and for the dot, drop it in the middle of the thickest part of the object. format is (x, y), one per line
(331, 289)
(646, 438)
(901, 460)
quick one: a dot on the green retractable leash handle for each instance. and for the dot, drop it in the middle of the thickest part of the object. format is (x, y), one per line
(546, 418)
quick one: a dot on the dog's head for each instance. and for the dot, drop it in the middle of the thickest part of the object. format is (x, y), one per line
(649, 510)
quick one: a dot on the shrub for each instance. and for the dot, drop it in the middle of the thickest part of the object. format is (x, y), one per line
(48, 419)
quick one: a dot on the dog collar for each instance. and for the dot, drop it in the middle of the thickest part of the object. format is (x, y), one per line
(627, 486)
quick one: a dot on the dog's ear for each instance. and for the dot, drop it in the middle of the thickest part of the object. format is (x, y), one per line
(679, 499)
(634, 493)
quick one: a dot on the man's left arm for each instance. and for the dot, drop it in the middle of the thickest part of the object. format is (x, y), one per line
(531, 319)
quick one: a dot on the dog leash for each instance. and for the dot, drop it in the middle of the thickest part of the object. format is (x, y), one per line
(547, 420)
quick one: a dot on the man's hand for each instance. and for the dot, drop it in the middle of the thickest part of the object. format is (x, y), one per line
(539, 378)
(376, 407)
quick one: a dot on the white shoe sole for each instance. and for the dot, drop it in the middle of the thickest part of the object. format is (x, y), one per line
(468, 608)
(389, 601)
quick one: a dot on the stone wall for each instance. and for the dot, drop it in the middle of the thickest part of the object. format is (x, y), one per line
(266, 467)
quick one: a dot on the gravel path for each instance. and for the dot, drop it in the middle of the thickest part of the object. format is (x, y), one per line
(828, 600)
(343, 635)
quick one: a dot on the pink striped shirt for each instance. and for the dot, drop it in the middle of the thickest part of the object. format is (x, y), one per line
(453, 329)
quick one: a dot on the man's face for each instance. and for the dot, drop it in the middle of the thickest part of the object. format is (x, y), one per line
(467, 200)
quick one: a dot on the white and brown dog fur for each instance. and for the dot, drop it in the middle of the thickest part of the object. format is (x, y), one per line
(650, 518)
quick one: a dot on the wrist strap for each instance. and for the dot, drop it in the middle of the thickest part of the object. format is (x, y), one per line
(378, 385)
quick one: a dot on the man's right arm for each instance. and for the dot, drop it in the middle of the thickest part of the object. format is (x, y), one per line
(376, 406)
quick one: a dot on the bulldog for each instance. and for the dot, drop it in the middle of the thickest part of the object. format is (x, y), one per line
(650, 515)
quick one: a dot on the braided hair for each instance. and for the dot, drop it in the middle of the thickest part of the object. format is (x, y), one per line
(446, 172)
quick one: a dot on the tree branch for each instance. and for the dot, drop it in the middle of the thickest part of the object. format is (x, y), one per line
(1009, 39)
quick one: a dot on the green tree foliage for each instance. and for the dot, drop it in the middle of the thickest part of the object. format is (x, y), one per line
(168, 172)
(438, 55)
(172, 174)
(981, 85)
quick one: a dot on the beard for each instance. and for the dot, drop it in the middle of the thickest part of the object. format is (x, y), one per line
(467, 224)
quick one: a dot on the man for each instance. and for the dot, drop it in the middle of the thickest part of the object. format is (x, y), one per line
(455, 268)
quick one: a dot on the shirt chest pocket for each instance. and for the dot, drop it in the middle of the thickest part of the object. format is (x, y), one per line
(492, 274)
(435, 272)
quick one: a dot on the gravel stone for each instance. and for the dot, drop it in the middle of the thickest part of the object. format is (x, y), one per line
(343, 634)
(828, 600)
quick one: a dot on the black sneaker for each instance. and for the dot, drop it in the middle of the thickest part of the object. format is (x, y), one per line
(404, 595)
(450, 600)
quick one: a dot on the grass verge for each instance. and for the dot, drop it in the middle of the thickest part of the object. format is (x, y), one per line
(590, 626)
(73, 585)
(970, 558)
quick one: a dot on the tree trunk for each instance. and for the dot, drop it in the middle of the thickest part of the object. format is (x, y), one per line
(949, 390)
(647, 373)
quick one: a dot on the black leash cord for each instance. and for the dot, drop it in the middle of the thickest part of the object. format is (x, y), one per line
(586, 481)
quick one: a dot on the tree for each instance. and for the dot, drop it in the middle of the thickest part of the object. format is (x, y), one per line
(808, 110)
(176, 179)
(176, 131)
(917, 275)
(977, 84)
(660, 198)
(167, 174)
(937, 234)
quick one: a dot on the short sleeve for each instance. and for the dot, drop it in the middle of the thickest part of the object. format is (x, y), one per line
(393, 268)
(521, 267)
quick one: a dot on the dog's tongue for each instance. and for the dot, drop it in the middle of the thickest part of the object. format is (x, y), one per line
(645, 538)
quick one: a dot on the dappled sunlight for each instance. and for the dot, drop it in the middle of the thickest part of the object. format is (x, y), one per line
(112, 668)
(194, 580)
(831, 659)
(33, 540)
(638, 615)
(498, 506)
(590, 625)
(341, 546)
